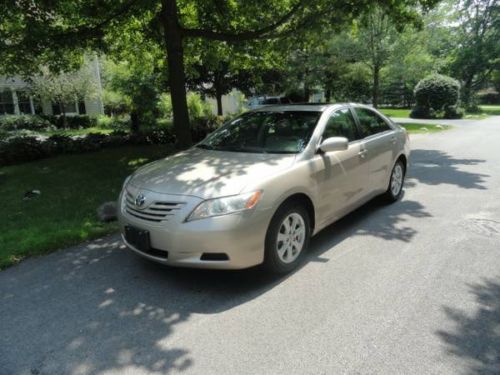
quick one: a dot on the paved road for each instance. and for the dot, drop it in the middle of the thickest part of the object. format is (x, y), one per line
(412, 288)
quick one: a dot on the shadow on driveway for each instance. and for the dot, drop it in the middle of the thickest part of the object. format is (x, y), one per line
(99, 307)
(476, 338)
(434, 167)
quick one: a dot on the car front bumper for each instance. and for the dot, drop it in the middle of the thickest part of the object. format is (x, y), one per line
(240, 236)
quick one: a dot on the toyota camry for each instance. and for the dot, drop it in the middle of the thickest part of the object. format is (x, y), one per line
(255, 190)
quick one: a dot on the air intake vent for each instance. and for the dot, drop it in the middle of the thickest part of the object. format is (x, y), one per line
(214, 256)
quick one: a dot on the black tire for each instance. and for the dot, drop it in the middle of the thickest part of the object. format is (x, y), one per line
(391, 196)
(272, 260)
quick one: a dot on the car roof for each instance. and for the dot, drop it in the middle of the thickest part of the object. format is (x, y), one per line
(305, 107)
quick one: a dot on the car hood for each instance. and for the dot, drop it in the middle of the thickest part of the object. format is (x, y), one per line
(208, 173)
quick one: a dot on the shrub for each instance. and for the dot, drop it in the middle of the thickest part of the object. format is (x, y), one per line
(422, 112)
(72, 122)
(4, 134)
(453, 112)
(165, 106)
(197, 107)
(17, 149)
(435, 92)
(24, 122)
(113, 122)
(21, 149)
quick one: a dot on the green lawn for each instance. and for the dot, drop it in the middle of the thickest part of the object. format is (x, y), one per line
(72, 187)
(487, 110)
(72, 132)
(424, 128)
(492, 110)
(396, 112)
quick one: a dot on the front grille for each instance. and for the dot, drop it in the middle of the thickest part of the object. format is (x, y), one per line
(157, 211)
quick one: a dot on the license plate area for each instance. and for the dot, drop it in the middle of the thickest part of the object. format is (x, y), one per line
(139, 238)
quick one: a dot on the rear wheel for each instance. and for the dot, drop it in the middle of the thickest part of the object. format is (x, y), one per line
(395, 188)
(287, 238)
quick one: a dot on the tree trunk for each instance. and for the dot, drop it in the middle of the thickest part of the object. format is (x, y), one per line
(328, 95)
(172, 34)
(467, 93)
(218, 97)
(375, 89)
(134, 122)
(63, 115)
(307, 93)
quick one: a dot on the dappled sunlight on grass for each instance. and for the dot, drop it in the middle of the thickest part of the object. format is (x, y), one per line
(72, 187)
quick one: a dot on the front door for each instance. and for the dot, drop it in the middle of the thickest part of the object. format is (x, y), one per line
(342, 175)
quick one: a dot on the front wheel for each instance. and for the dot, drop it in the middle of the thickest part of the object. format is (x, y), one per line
(287, 238)
(395, 188)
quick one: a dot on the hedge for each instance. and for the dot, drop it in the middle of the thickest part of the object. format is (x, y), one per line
(18, 149)
(44, 122)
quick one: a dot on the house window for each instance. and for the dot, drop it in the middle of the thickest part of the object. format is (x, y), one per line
(23, 100)
(81, 107)
(37, 103)
(6, 103)
(68, 107)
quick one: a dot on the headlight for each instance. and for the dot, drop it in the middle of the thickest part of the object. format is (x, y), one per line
(225, 205)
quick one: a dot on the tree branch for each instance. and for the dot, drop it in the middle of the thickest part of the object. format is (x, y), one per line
(244, 35)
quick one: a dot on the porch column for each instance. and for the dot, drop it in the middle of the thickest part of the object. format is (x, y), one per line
(15, 101)
(32, 105)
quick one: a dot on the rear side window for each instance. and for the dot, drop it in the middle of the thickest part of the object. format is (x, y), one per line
(370, 122)
(341, 124)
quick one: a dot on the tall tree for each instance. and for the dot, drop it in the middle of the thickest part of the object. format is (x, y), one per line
(54, 31)
(479, 48)
(218, 67)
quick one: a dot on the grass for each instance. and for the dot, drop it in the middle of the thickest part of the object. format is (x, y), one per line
(396, 112)
(491, 110)
(487, 110)
(73, 132)
(72, 187)
(424, 128)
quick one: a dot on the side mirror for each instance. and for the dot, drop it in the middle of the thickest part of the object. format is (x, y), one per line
(334, 144)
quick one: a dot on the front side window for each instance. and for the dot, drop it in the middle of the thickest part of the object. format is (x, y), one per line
(265, 132)
(370, 122)
(341, 124)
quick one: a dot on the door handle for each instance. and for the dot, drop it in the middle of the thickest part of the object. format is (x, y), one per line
(362, 154)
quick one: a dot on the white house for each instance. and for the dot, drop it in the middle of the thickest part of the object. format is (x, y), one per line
(16, 100)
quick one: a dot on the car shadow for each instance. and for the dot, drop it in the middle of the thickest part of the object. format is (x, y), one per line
(476, 338)
(434, 167)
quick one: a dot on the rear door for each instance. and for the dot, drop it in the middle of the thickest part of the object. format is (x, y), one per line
(379, 140)
(343, 175)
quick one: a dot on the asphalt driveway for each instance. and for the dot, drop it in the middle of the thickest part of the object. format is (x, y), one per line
(410, 288)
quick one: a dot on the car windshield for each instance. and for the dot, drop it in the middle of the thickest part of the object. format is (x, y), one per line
(265, 132)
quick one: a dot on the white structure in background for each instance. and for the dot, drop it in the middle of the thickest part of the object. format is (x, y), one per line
(231, 103)
(15, 98)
